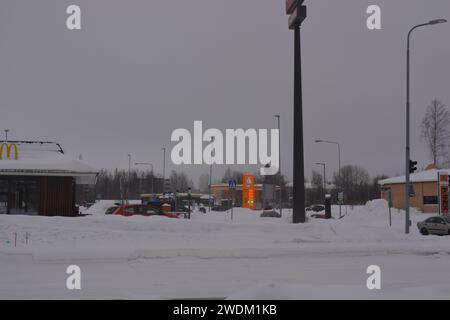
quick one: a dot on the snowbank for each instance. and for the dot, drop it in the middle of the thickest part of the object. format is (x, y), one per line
(283, 291)
(214, 256)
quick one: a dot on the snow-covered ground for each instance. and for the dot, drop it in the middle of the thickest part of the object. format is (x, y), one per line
(212, 256)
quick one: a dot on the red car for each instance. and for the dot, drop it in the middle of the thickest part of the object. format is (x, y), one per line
(141, 210)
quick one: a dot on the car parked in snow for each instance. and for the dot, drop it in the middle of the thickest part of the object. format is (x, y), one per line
(111, 210)
(270, 214)
(316, 208)
(142, 210)
(435, 225)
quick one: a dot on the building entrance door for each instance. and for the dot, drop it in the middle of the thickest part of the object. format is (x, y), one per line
(24, 197)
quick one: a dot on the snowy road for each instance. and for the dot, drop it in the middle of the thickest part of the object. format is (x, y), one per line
(211, 256)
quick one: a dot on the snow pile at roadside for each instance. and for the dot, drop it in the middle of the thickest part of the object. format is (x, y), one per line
(211, 255)
(284, 291)
(362, 227)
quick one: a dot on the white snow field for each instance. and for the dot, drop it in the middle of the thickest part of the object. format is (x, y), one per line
(211, 256)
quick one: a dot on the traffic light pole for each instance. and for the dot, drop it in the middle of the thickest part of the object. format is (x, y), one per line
(298, 165)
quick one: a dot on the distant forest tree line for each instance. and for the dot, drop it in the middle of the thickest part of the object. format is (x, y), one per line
(355, 182)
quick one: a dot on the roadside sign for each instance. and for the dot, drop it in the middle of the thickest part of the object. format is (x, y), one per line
(232, 187)
(341, 197)
(390, 198)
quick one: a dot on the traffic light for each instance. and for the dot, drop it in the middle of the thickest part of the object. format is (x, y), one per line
(412, 166)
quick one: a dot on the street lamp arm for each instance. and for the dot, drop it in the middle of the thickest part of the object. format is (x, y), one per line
(414, 28)
(432, 22)
(327, 141)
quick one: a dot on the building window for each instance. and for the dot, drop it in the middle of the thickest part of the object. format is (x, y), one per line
(430, 200)
(3, 196)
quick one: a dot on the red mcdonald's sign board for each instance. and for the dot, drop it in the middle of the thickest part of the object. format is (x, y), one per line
(297, 17)
(290, 6)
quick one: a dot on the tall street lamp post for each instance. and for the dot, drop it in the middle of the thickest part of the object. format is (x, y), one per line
(407, 149)
(129, 177)
(210, 178)
(277, 116)
(164, 170)
(339, 164)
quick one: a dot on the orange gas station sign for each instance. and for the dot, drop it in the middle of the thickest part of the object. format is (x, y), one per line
(248, 191)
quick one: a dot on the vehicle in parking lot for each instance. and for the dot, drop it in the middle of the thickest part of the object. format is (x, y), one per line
(316, 208)
(270, 214)
(435, 225)
(141, 210)
(111, 210)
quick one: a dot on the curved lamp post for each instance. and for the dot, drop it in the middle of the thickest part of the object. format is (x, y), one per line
(407, 151)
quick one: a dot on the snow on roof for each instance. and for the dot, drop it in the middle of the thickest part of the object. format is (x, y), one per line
(43, 159)
(423, 176)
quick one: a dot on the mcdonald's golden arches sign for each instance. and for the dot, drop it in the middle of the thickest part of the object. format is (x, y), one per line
(9, 147)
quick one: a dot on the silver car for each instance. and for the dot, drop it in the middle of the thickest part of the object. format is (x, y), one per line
(435, 225)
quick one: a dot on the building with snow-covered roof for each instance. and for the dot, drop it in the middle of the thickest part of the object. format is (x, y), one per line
(38, 178)
(424, 193)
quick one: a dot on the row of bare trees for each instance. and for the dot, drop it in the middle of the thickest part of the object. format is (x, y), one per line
(118, 184)
(354, 181)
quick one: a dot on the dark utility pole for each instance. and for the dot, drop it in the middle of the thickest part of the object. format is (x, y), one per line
(298, 14)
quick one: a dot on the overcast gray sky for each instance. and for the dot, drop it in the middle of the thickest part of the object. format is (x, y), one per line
(139, 69)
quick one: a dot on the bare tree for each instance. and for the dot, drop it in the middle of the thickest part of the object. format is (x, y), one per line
(235, 175)
(203, 183)
(179, 181)
(317, 180)
(436, 130)
(354, 182)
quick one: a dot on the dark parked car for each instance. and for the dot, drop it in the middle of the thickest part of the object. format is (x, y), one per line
(435, 225)
(316, 208)
(270, 214)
